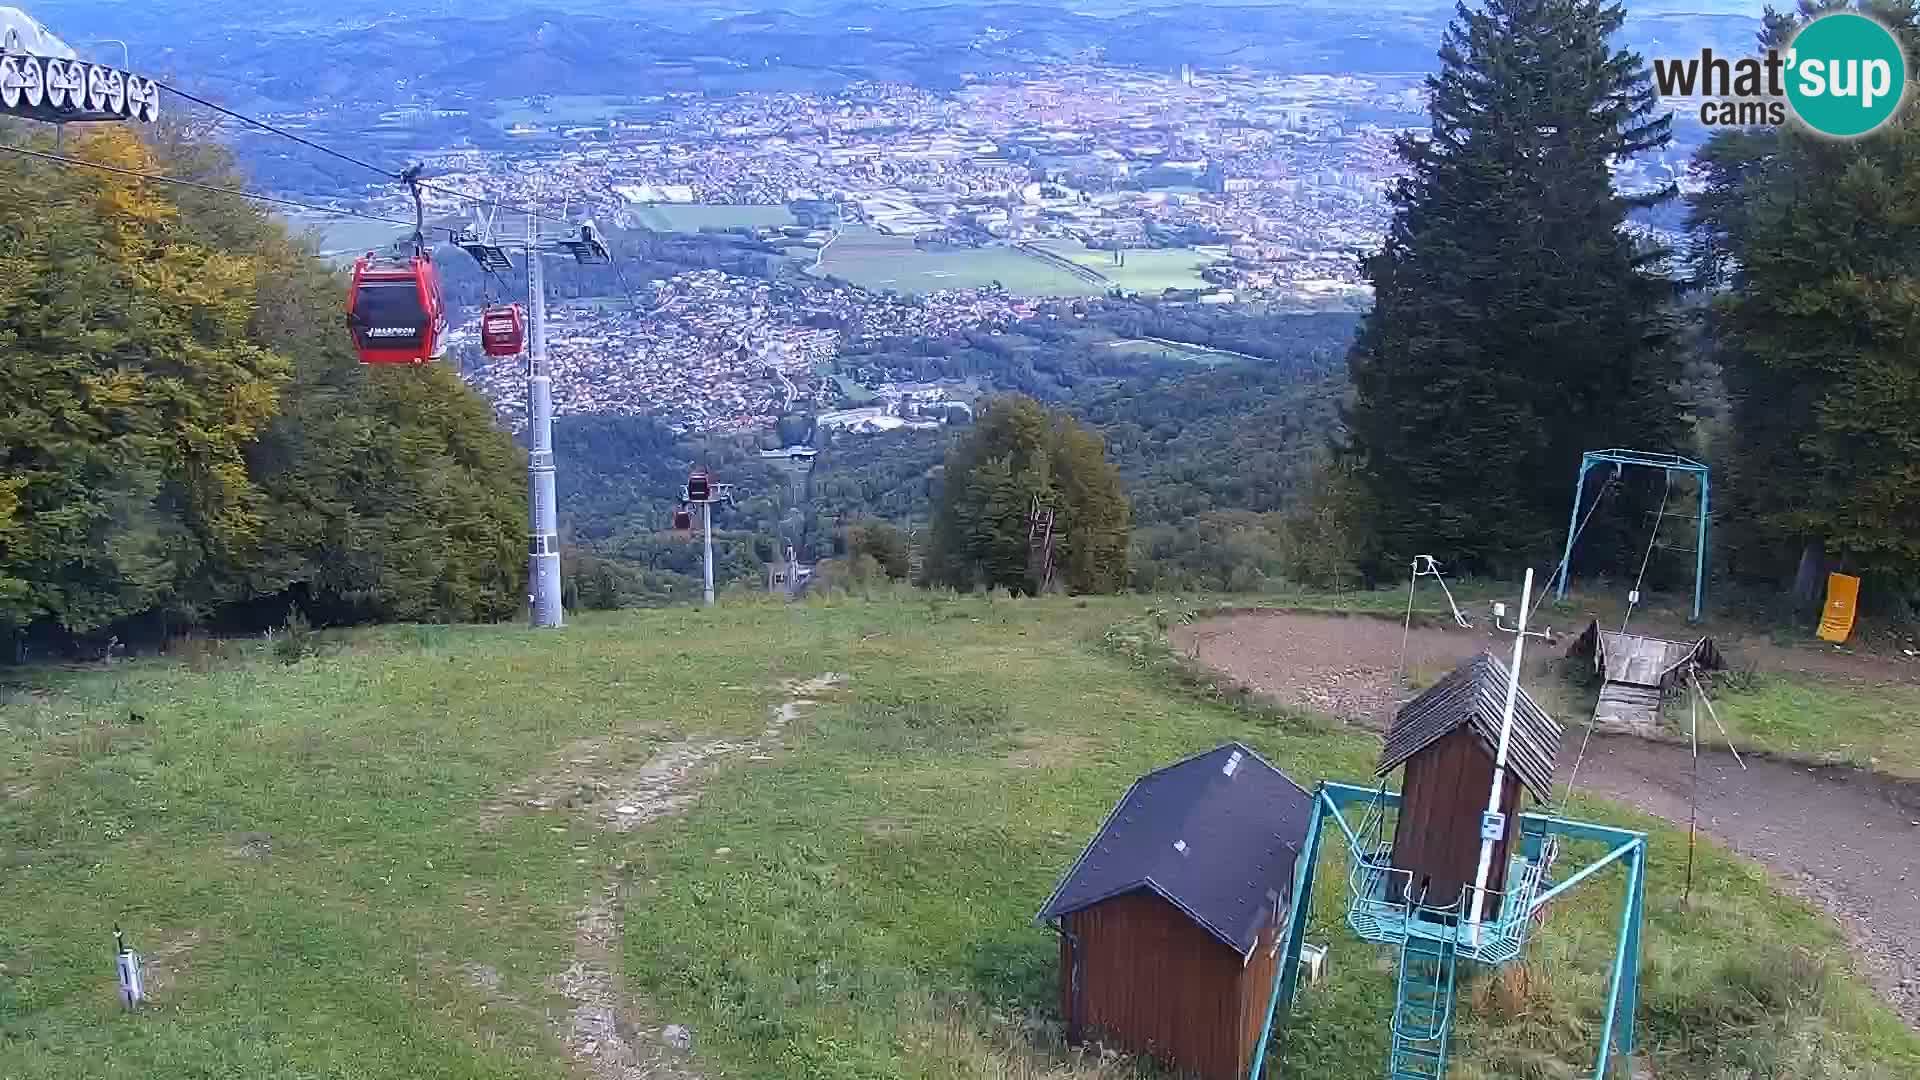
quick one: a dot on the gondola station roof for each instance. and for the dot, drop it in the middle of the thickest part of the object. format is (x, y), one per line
(1215, 835)
(1474, 696)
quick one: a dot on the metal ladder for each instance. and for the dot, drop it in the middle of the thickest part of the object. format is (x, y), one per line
(1423, 1008)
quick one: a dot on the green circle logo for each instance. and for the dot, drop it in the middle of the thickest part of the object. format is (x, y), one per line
(1846, 74)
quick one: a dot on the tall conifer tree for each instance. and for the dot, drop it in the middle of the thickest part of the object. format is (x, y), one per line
(1517, 320)
(1814, 244)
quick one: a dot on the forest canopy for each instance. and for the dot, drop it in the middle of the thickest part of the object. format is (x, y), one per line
(188, 438)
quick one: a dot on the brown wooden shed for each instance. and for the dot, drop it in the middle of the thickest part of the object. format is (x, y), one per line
(1448, 738)
(1169, 923)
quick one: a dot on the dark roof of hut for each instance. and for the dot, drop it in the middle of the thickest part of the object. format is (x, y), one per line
(1475, 695)
(1215, 835)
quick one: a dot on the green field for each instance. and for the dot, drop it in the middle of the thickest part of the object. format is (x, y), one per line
(874, 260)
(1148, 270)
(854, 392)
(566, 109)
(395, 858)
(692, 217)
(1870, 725)
(1192, 354)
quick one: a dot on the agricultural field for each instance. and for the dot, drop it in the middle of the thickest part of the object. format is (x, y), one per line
(692, 217)
(766, 840)
(1173, 350)
(1147, 270)
(565, 109)
(854, 392)
(875, 260)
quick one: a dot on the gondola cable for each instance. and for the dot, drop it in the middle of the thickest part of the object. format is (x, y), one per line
(238, 193)
(350, 159)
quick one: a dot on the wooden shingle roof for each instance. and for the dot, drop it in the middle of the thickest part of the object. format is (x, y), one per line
(1474, 695)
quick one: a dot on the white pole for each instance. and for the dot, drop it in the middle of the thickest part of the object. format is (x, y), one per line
(1488, 835)
(543, 541)
(706, 526)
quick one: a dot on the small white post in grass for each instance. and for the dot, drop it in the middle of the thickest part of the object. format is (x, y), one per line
(126, 962)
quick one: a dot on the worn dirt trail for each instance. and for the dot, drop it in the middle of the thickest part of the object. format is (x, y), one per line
(608, 1034)
(1846, 841)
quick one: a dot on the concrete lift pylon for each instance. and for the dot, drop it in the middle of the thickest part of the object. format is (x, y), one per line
(1621, 459)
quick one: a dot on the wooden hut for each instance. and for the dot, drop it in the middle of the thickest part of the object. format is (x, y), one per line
(1448, 738)
(1170, 922)
(1637, 672)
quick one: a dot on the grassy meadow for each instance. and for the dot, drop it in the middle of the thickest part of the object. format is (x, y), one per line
(874, 260)
(692, 217)
(1866, 724)
(305, 851)
(1147, 270)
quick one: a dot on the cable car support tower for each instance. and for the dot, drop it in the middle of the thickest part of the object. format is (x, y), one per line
(543, 540)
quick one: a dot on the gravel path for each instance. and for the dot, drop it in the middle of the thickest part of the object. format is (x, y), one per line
(1844, 840)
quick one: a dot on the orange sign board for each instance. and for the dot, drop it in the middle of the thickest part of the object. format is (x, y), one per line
(1836, 619)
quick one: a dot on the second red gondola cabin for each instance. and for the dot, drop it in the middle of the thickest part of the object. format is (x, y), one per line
(503, 330)
(682, 519)
(396, 311)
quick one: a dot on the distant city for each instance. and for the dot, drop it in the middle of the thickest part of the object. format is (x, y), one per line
(908, 212)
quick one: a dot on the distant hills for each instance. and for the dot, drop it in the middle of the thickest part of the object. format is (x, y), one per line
(279, 54)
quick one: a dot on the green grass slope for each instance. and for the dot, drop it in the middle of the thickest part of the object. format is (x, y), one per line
(309, 854)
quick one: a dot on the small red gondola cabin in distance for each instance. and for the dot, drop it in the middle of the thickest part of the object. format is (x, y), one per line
(1172, 921)
(395, 310)
(503, 330)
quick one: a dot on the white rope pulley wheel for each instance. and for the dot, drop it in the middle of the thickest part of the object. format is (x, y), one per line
(10, 84)
(33, 82)
(67, 85)
(97, 95)
(116, 93)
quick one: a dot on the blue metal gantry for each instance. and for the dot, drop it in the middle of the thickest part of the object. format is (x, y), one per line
(1432, 940)
(1621, 459)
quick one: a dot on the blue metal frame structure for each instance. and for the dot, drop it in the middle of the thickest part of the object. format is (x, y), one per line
(1499, 940)
(1620, 459)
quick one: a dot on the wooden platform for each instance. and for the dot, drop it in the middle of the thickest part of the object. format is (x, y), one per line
(1637, 672)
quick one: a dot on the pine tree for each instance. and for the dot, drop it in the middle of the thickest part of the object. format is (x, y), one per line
(1516, 321)
(1815, 244)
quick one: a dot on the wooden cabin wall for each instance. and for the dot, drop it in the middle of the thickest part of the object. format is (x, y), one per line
(1256, 988)
(1442, 797)
(1155, 983)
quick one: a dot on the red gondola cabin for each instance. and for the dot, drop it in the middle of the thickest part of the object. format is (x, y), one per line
(503, 330)
(699, 488)
(395, 310)
(682, 519)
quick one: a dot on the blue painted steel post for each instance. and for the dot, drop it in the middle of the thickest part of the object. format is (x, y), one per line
(1700, 545)
(1630, 1001)
(1286, 977)
(1623, 989)
(1573, 524)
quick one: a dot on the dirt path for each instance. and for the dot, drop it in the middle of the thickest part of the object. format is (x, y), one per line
(607, 1033)
(1342, 666)
(1839, 839)
(1846, 841)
